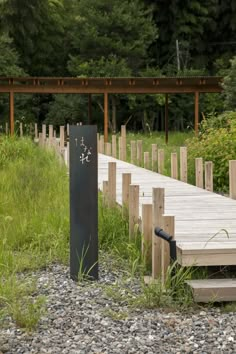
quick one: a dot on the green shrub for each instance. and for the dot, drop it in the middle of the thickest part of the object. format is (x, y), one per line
(216, 143)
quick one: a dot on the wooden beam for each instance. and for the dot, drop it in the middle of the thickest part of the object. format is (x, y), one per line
(166, 119)
(11, 112)
(110, 85)
(105, 117)
(196, 112)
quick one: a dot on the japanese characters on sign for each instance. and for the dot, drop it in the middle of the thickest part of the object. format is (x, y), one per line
(86, 152)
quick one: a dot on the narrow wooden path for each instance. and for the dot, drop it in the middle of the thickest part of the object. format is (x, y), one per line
(205, 222)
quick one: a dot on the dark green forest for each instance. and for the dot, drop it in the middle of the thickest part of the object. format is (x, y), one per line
(97, 38)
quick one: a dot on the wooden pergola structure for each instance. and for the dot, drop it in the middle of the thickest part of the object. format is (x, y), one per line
(106, 86)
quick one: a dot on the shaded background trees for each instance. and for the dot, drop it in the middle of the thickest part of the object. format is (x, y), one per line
(117, 38)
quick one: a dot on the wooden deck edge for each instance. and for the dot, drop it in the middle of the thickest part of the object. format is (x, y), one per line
(213, 290)
(206, 259)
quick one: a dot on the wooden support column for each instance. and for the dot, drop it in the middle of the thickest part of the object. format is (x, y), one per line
(232, 179)
(209, 176)
(105, 117)
(11, 111)
(196, 122)
(147, 233)
(126, 181)
(158, 207)
(166, 119)
(168, 225)
(133, 209)
(199, 172)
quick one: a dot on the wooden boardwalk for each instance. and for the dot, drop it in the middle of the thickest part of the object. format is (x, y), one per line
(200, 216)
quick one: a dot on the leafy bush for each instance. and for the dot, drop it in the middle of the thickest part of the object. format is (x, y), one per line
(216, 143)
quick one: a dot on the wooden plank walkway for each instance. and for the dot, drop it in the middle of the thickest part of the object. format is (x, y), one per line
(199, 214)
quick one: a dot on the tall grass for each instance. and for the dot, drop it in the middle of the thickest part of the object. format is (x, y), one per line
(114, 238)
(34, 216)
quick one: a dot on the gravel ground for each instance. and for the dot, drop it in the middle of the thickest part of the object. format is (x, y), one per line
(83, 318)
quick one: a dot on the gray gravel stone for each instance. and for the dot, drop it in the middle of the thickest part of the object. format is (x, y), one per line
(82, 318)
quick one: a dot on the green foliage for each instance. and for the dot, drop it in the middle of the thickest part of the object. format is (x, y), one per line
(230, 87)
(173, 292)
(102, 67)
(128, 24)
(216, 143)
(37, 30)
(9, 59)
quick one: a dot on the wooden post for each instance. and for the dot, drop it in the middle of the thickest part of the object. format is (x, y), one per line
(123, 136)
(7, 128)
(11, 111)
(62, 137)
(196, 122)
(133, 152)
(199, 172)
(147, 233)
(166, 119)
(154, 157)
(68, 129)
(168, 225)
(174, 165)
(98, 142)
(160, 153)
(114, 146)
(102, 144)
(105, 192)
(105, 117)
(50, 135)
(126, 181)
(183, 164)
(232, 179)
(36, 131)
(139, 152)
(68, 154)
(209, 176)
(108, 149)
(146, 160)
(157, 214)
(21, 129)
(133, 209)
(120, 147)
(111, 184)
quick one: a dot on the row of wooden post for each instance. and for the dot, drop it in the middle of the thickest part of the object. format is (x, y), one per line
(157, 159)
(203, 171)
(155, 251)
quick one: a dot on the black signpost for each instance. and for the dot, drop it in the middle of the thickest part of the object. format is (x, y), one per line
(83, 202)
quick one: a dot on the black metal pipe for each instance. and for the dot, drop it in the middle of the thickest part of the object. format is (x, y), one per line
(172, 243)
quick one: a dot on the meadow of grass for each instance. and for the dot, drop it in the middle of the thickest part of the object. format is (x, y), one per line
(34, 222)
(34, 228)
